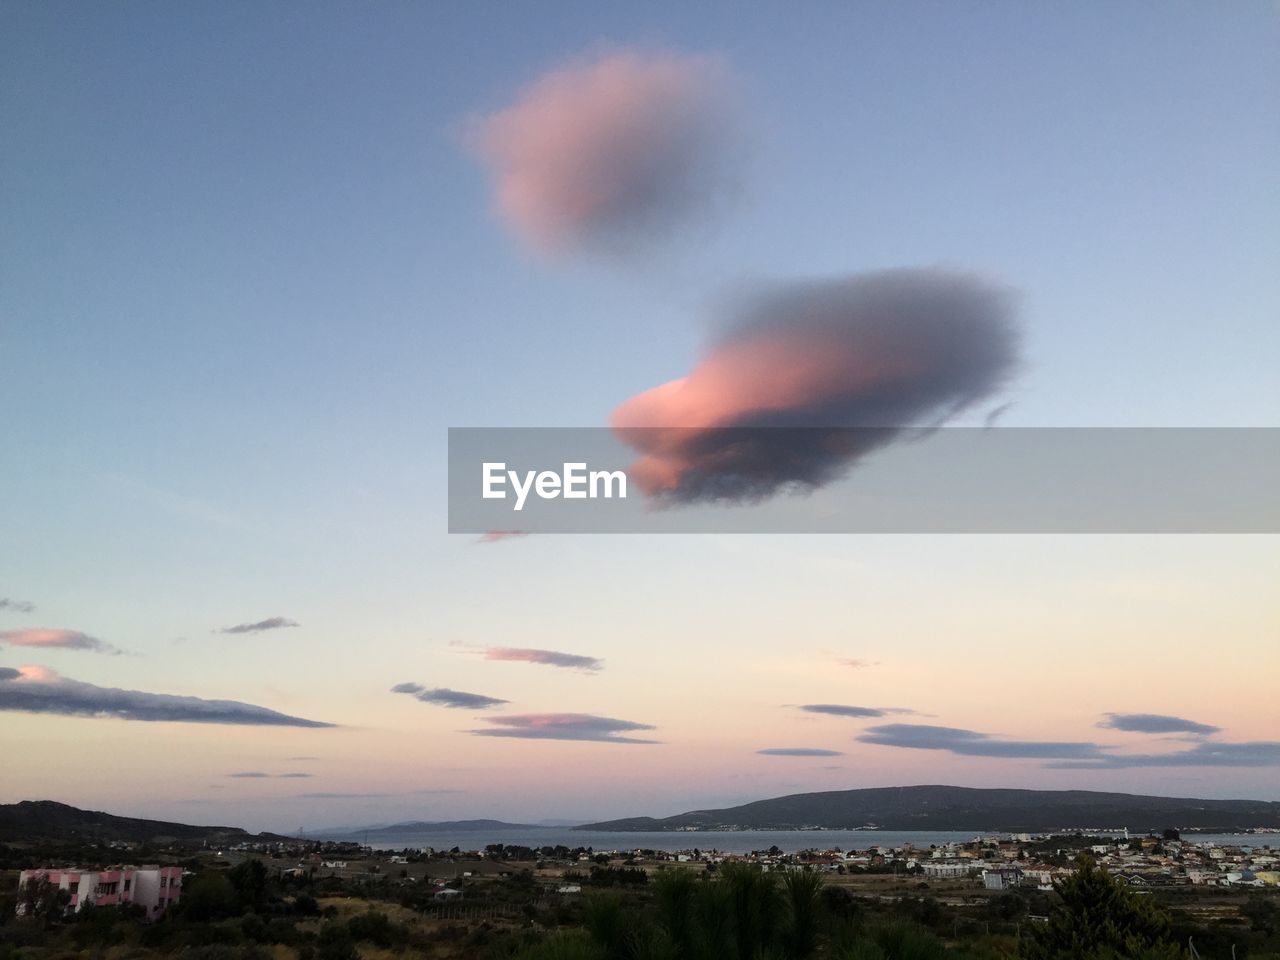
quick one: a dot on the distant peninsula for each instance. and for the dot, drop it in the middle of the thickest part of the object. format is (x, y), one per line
(978, 809)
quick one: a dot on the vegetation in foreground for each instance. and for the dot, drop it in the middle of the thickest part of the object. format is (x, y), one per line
(737, 912)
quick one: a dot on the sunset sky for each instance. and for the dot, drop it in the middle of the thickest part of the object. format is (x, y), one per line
(257, 260)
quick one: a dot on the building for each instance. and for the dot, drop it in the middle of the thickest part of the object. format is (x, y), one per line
(152, 888)
(1004, 878)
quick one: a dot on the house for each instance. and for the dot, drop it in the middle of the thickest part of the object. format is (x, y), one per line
(152, 888)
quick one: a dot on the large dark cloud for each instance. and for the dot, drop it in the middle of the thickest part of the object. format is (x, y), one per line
(9, 673)
(970, 743)
(37, 690)
(843, 710)
(1156, 723)
(271, 623)
(17, 606)
(812, 376)
(798, 752)
(444, 697)
(611, 154)
(55, 639)
(1257, 753)
(564, 726)
(550, 658)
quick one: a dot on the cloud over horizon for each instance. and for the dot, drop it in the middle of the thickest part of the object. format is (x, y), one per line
(33, 689)
(271, 623)
(970, 743)
(1257, 753)
(1067, 755)
(444, 697)
(1155, 723)
(564, 726)
(614, 153)
(550, 658)
(846, 365)
(798, 752)
(54, 639)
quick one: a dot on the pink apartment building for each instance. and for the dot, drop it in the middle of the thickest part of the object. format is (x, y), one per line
(153, 888)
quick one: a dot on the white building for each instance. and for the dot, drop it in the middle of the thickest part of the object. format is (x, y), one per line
(152, 888)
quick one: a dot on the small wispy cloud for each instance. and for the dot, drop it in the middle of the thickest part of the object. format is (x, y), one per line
(53, 639)
(444, 697)
(339, 795)
(550, 658)
(34, 689)
(1156, 723)
(271, 623)
(857, 663)
(564, 726)
(259, 775)
(17, 606)
(496, 536)
(798, 752)
(846, 710)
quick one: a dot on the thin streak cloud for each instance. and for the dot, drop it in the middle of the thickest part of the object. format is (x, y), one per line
(844, 710)
(564, 726)
(444, 697)
(54, 639)
(1156, 723)
(798, 752)
(271, 623)
(550, 658)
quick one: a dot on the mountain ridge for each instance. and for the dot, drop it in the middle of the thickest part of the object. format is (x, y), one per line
(942, 807)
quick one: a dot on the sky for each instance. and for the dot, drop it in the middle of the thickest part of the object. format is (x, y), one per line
(257, 260)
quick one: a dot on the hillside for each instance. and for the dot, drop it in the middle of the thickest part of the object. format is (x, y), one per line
(967, 808)
(47, 819)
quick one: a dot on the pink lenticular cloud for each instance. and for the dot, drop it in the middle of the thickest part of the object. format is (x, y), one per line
(611, 152)
(813, 376)
(52, 639)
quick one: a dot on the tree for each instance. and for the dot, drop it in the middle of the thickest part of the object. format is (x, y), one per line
(1099, 919)
(802, 890)
(250, 882)
(42, 902)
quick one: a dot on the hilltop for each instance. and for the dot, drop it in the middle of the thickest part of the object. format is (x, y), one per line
(47, 819)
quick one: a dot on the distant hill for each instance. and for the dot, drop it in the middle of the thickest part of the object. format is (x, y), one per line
(967, 808)
(47, 819)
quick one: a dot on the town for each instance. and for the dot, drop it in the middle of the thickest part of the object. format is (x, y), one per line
(986, 895)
